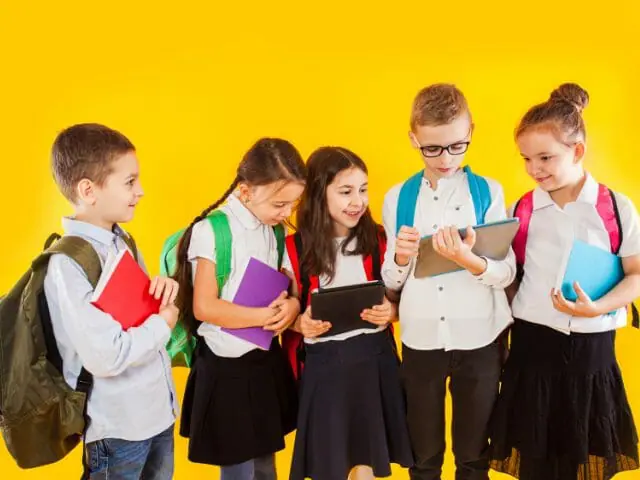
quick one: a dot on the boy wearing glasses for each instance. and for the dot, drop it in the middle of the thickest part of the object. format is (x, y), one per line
(451, 324)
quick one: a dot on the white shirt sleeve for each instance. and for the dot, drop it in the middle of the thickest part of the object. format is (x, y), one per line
(203, 242)
(393, 275)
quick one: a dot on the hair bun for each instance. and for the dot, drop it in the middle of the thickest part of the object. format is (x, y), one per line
(571, 93)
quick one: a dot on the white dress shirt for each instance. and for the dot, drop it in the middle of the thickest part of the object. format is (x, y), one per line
(454, 311)
(551, 232)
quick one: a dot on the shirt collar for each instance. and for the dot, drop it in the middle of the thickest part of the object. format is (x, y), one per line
(242, 213)
(77, 227)
(588, 194)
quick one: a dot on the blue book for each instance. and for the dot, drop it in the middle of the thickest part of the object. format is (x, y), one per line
(596, 270)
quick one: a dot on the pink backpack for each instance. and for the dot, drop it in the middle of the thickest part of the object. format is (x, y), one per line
(607, 209)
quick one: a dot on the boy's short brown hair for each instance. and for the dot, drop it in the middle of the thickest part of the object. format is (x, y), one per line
(437, 104)
(85, 151)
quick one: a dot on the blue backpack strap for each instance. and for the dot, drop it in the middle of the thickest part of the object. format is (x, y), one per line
(480, 194)
(406, 209)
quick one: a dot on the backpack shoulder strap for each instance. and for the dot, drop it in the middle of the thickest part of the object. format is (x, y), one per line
(222, 233)
(131, 243)
(79, 250)
(480, 194)
(523, 211)
(407, 199)
(83, 253)
(373, 262)
(294, 257)
(305, 281)
(607, 208)
(278, 230)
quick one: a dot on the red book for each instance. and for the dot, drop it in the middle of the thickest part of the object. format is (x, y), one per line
(123, 292)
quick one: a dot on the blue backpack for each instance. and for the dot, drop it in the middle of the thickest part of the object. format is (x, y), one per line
(406, 210)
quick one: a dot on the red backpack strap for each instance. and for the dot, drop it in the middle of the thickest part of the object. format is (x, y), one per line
(291, 341)
(523, 211)
(294, 257)
(607, 208)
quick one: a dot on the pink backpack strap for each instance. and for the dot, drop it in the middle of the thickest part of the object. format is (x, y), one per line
(523, 211)
(608, 211)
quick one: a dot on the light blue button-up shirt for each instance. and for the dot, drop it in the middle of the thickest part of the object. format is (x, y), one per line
(133, 396)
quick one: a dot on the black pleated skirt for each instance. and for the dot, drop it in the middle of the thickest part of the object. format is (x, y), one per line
(562, 412)
(352, 410)
(238, 409)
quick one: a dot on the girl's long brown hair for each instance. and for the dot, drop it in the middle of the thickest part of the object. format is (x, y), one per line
(314, 222)
(268, 161)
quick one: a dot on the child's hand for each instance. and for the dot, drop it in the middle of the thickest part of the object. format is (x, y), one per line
(287, 310)
(582, 307)
(407, 245)
(380, 314)
(164, 287)
(311, 328)
(448, 243)
(170, 314)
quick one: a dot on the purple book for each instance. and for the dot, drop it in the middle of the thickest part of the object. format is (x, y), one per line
(260, 285)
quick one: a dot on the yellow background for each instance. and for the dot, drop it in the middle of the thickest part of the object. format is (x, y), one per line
(194, 83)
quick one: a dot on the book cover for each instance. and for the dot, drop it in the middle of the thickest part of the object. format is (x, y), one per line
(260, 285)
(123, 292)
(596, 270)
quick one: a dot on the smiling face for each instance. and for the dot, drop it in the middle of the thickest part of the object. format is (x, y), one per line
(551, 163)
(347, 199)
(114, 199)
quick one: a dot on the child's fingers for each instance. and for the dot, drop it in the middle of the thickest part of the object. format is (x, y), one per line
(152, 287)
(160, 288)
(279, 301)
(457, 240)
(448, 238)
(174, 292)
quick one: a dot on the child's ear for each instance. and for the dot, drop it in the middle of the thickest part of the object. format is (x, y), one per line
(245, 192)
(471, 130)
(86, 191)
(413, 140)
(579, 149)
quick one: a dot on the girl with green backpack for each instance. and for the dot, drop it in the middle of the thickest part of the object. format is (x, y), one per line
(240, 400)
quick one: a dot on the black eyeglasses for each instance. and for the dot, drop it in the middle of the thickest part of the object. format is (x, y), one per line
(431, 151)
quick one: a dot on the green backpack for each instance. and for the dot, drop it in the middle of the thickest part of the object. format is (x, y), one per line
(42, 419)
(182, 343)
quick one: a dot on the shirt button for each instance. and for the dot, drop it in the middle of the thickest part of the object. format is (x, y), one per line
(435, 226)
(441, 288)
(442, 319)
(457, 208)
(435, 198)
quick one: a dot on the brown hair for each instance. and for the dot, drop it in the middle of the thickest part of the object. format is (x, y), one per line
(562, 114)
(438, 104)
(314, 221)
(268, 161)
(85, 150)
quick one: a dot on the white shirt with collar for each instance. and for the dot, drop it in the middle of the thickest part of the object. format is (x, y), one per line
(250, 238)
(133, 396)
(551, 232)
(455, 311)
(349, 270)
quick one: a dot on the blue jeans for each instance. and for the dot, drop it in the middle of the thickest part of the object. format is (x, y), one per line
(263, 468)
(116, 459)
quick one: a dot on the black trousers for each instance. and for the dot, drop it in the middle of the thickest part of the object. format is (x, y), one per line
(474, 381)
